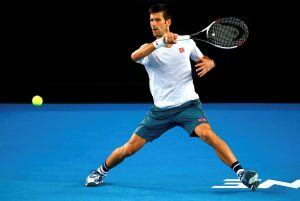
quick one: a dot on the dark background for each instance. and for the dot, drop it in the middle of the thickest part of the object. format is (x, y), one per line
(81, 52)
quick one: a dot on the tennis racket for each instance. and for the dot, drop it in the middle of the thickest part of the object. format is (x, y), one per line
(225, 33)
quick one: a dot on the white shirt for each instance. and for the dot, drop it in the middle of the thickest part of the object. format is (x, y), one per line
(170, 73)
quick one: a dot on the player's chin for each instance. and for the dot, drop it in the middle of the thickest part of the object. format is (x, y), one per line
(156, 35)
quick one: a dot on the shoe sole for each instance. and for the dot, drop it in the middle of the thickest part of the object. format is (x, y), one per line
(93, 184)
(255, 185)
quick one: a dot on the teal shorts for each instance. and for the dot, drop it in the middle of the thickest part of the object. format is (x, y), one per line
(159, 120)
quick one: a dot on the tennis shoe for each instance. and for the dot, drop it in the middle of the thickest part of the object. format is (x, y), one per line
(95, 178)
(250, 179)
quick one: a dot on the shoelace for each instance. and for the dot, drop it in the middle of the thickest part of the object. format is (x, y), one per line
(96, 174)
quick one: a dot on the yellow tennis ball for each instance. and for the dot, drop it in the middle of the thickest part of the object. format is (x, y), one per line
(37, 100)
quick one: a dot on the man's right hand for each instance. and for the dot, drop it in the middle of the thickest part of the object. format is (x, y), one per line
(170, 38)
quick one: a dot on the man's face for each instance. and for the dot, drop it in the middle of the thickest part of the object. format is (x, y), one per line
(158, 24)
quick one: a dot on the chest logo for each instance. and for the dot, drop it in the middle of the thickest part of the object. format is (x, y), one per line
(181, 49)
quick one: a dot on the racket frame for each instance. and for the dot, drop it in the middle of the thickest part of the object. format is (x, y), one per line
(191, 36)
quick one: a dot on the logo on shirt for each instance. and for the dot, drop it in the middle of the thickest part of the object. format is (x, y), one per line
(181, 49)
(202, 119)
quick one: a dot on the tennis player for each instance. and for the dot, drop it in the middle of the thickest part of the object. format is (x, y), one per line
(176, 103)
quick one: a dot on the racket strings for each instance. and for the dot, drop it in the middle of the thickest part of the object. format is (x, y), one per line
(223, 35)
(228, 32)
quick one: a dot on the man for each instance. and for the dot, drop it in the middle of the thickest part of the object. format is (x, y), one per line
(176, 103)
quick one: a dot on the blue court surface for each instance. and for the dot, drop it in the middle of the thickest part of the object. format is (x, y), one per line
(46, 153)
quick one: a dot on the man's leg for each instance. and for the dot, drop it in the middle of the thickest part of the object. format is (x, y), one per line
(205, 132)
(116, 157)
(249, 178)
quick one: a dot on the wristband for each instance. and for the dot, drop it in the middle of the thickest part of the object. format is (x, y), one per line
(159, 43)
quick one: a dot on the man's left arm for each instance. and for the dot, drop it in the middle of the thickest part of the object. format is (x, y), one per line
(204, 65)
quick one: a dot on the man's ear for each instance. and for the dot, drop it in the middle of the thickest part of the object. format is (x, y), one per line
(168, 22)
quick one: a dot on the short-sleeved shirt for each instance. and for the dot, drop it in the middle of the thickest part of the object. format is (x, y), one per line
(170, 73)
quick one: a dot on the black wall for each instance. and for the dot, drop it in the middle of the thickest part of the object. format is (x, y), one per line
(81, 52)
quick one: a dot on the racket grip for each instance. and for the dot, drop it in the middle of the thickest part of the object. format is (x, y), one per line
(183, 37)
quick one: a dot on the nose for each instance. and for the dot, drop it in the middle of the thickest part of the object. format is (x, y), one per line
(153, 23)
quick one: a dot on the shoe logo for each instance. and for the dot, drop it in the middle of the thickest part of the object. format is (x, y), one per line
(236, 183)
(181, 49)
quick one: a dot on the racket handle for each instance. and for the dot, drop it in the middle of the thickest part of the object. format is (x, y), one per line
(183, 37)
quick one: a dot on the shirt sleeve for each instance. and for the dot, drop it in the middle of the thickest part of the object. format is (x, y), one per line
(144, 60)
(195, 53)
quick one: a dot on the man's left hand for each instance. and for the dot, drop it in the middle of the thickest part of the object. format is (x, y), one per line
(204, 65)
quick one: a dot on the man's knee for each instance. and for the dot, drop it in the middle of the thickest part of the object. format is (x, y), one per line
(128, 150)
(205, 132)
(132, 147)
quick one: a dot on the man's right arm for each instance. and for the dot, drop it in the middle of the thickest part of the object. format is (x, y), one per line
(146, 49)
(143, 51)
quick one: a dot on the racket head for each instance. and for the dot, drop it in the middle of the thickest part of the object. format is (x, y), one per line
(226, 33)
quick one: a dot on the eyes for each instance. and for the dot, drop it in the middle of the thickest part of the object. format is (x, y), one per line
(155, 20)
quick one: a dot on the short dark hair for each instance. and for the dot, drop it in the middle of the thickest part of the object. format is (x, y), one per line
(160, 8)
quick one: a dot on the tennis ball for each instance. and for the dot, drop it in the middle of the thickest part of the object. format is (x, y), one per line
(37, 100)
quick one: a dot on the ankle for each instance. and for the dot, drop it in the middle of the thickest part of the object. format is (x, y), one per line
(236, 166)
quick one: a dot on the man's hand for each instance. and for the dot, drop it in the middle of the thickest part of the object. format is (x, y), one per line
(204, 65)
(169, 37)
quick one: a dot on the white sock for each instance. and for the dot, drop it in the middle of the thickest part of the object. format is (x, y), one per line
(100, 169)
